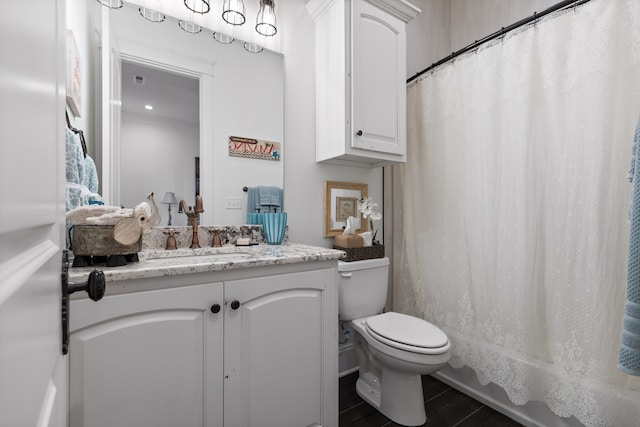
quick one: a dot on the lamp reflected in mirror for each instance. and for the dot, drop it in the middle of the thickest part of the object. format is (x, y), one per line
(169, 198)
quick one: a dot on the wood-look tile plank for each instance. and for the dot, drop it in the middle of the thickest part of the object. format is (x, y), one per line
(448, 409)
(432, 387)
(487, 417)
(362, 415)
(348, 396)
(445, 407)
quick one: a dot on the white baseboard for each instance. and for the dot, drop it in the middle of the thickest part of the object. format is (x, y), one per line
(347, 359)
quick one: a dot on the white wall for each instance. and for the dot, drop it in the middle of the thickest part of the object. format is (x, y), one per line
(474, 19)
(79, 18)
(303, 177)
(143, 172)
(428, 35)
(445, 26)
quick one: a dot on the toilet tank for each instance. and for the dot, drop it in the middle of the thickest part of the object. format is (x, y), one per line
(362, 287)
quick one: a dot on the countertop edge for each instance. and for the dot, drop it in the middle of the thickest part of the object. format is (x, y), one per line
(261, 256)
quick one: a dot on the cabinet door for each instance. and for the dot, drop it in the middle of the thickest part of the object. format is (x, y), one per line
(276, 345)
(147, 359)
(378, 69)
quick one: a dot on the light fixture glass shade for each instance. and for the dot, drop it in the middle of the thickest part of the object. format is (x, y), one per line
(222, 37)
(234, 12)
(189, 27)
(252, 47)
(151, 15)
(198, 6)
(112, 4)
(266, 22)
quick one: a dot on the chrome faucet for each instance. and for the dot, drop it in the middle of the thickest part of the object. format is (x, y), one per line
(193, 217)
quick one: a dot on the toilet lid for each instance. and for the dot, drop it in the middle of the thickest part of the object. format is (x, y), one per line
(408, 330)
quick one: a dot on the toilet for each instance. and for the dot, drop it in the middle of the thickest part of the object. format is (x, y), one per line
(393, 349)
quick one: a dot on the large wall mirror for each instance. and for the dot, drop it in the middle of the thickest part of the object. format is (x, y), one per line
(201, 92)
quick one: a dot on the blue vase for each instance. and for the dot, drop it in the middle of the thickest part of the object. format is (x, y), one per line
(274, 226)
(254, 218)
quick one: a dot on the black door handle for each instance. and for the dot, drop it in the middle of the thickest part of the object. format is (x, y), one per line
(95, 286)
(215, 308)
(235, 304)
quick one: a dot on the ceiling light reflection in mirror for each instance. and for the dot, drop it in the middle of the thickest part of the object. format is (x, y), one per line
(225, 21)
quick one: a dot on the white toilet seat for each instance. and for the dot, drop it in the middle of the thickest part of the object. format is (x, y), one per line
(407, 333)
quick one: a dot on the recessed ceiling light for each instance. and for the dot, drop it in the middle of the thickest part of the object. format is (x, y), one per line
(148, 107)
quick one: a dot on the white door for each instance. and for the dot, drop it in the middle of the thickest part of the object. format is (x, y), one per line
(274, 350)
(147, 359)
(378, 83)
(33, 385)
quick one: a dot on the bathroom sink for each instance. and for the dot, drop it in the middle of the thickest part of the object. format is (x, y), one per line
(198, 255)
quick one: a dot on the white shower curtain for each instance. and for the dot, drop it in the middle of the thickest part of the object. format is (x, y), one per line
(510, 212)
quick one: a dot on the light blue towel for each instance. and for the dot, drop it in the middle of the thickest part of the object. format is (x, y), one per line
(264, 199)
(629, 356)
(90, 174)
(75, 169)
(74, 158)
(269, 196)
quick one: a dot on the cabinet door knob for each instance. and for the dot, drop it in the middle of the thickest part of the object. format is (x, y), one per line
(215, 308)
(235, 304)
(359, 133)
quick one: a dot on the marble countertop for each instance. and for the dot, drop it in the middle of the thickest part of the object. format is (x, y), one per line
(160, 262)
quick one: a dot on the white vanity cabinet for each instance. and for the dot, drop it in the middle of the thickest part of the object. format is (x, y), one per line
(361, 80)
(147, 359)
(274, 351)
(162, 357)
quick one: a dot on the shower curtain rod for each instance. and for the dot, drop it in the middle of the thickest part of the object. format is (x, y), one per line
(562, 5)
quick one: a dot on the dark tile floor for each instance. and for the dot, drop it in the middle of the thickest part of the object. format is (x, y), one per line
(445, 406)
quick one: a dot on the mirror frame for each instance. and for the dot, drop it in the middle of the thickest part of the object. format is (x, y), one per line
(330, 202)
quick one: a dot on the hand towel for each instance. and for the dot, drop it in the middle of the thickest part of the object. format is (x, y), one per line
(75, 170)
(90, 174)
(629, 353)
(264, 199)
(269, 196)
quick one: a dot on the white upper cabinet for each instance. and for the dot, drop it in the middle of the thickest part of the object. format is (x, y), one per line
(360, 80)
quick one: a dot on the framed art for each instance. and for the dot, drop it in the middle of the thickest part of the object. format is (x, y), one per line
(341, 202)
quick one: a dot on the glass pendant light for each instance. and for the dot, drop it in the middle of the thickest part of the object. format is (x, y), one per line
(252, 47)
(198, 6)
(222, 37)
(189, 27)
(112, 4)
(151, 14)
(266, 21)
(234, 12)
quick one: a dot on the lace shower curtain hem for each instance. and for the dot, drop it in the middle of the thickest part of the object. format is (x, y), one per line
(593, 403)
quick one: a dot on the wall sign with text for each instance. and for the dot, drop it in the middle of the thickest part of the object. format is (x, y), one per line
(254, 148)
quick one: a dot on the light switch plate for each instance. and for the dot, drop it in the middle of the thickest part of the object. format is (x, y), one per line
(233, 202)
